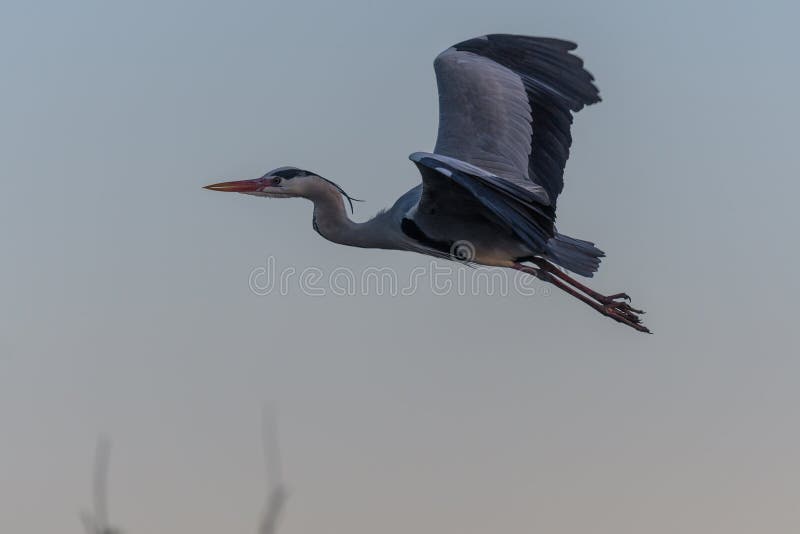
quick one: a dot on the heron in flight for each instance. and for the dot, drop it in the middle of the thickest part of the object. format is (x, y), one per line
(489, 188)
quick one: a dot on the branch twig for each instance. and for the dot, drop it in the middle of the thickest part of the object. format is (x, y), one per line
(96, 521)
(276, 490)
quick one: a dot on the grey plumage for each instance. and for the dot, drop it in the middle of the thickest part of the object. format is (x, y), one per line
(505, 107)
(506, 104)
(575, 255)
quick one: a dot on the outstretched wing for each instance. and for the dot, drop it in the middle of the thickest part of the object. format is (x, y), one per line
(506, 104)
(456, 188)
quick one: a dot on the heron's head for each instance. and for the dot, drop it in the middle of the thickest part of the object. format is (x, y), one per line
(284, 182)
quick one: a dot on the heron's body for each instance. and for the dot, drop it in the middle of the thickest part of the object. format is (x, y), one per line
(401, 227)
(489, 189)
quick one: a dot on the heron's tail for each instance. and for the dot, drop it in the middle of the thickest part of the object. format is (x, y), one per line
(576, 255)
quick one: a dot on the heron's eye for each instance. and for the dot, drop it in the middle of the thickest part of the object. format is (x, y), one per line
(276, 180)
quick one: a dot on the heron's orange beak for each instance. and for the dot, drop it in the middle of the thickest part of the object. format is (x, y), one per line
(242, 186)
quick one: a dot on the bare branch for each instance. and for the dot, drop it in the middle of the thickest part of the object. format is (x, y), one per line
(276, 491)
(96, 521)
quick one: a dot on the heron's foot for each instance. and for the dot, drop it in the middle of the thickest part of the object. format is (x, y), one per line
(623, 313)
(615, 296)
(614, 306)
(617, 301)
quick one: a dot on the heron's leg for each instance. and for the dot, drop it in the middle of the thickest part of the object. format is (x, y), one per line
(605, 299)
(619, 311)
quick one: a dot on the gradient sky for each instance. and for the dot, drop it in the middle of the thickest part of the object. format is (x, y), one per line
(126, 308)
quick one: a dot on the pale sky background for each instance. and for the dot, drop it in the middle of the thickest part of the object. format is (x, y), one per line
(126, 308)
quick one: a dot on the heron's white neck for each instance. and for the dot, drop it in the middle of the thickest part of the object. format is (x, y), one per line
(332, 223)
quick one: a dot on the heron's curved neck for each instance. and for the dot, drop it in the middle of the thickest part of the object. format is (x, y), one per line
(332, 223)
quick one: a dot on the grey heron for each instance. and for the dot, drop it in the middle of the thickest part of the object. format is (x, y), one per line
(489, 188)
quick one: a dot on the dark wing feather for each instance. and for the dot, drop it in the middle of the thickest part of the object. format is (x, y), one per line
(456, 187)
(506, 104)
